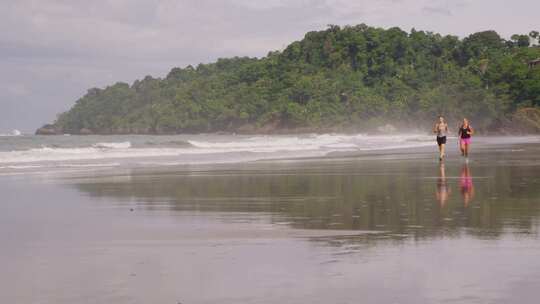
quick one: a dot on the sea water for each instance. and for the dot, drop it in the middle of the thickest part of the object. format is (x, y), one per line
(28, 153)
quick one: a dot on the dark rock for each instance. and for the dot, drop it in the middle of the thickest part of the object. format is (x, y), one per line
(47, 130)
(85, 131)
(525, 120)
(387, 129)
(246, 129)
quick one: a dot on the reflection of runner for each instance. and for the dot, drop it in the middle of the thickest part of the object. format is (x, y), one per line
(466, 184)
(442, 187)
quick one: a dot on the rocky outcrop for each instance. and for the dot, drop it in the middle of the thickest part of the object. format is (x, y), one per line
(85, 131)
(387, 129)
(47, 130)
(526, 120)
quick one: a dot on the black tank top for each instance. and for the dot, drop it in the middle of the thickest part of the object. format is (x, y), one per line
(464, 132)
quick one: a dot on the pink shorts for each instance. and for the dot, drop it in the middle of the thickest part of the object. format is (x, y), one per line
(466, 182)
(465, 141)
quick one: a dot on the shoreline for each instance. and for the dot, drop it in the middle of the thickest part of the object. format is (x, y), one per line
(386, 129)
(504, 132)
(166, 165)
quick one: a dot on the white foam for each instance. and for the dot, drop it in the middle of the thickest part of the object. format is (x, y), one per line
(69, 154)
(259, 143)
(21, 167)
(15, 132)
(113, 145)
(222, 148)
(90, 165)
(310, 142)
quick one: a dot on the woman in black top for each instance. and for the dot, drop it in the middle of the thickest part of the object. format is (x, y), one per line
(465, 132)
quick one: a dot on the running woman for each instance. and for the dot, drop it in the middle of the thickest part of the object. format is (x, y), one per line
(441, 129)
(465, 132)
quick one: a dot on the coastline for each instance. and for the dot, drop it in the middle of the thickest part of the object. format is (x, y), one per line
(297, 131)
(522, 122)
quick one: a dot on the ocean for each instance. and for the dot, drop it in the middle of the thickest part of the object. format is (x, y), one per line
(28, 153)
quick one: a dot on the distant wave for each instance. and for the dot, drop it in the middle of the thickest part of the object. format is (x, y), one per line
(13, 133)
(171, 143)
(47, 154)
(276, 143)
(90, 165)
(215, 150)
(315, 142)
(113, 145)
(21, 167)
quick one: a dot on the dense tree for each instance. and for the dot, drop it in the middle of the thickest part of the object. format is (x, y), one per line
(355, 76)
(521, 40)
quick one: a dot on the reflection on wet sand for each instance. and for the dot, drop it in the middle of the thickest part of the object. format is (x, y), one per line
(466, 184)
(392, 196)
(442, 186)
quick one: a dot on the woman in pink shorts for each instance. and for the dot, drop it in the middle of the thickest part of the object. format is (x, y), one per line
(465, 132)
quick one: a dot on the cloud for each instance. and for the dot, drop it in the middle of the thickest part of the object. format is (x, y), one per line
(446, 8)
(15, 90)
(437, 10)
(57, 49)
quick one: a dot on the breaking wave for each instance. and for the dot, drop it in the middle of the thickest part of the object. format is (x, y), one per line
(113, 145)
(208, 149)
(12, 133)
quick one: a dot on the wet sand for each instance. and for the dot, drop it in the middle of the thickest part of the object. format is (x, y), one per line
(391, 227)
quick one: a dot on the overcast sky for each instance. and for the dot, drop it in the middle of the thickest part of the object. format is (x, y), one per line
(52, 51)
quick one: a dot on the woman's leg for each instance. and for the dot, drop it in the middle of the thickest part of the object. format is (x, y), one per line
(466, 150)
(462, 147)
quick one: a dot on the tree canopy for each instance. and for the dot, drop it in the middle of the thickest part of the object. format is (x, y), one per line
(341, 77)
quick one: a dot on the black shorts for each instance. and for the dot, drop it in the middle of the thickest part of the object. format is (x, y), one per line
(441, 140)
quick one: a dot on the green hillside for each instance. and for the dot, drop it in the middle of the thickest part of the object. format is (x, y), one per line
(355, 77)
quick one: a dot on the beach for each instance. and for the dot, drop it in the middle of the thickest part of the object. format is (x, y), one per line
(286, 219)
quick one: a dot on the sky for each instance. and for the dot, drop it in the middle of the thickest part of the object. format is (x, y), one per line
(53, 51)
